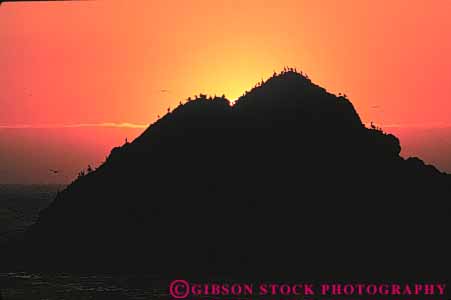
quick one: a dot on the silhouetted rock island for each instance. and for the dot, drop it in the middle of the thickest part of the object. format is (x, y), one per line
(288, 179)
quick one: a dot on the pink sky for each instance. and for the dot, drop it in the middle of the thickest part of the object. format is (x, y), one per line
(100, 64)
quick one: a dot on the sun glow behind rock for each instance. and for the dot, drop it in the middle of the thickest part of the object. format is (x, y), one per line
(107, 62)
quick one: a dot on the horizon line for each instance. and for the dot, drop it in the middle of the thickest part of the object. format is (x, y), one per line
(79, 125)
(143, 126)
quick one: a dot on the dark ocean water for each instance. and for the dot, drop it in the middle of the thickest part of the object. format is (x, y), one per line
(19, 208)
(75, 286)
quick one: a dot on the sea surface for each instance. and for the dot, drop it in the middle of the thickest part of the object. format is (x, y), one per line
(19, 208)
(26, 286)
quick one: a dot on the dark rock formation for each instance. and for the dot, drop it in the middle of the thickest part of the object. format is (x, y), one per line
(286, 179)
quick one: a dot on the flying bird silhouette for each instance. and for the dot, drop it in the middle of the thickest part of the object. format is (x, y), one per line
(54, 171)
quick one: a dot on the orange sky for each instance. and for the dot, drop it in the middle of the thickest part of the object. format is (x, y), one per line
(104, 61)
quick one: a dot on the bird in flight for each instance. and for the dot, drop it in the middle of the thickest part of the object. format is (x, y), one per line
(54, 171)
